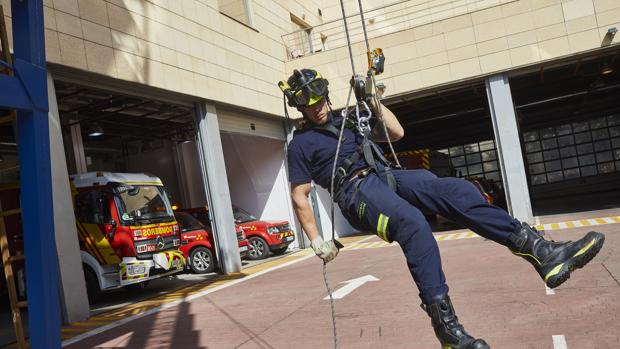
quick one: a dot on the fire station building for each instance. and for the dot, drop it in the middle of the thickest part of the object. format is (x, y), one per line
(521, 93)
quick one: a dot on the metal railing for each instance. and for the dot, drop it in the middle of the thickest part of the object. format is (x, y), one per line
(387, 19)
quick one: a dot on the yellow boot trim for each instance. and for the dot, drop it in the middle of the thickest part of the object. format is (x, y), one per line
(585, 248)
(554, 271)
(526, 255)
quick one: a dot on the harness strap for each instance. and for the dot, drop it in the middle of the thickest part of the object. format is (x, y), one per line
(368, 149)
(368, 153)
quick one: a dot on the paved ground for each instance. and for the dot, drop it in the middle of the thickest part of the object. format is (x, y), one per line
(279, 304)
(120, 298)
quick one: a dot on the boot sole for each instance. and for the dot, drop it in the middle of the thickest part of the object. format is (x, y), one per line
(477, 344)
(561, 272)
(480, 345)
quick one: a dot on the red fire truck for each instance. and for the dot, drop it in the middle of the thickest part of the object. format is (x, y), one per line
(127, 231)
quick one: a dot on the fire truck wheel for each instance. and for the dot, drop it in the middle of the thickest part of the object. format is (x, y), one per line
(201, 260)
(92, 285)
(261, 248)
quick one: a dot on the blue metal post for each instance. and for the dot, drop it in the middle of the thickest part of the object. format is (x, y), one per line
(35, 176)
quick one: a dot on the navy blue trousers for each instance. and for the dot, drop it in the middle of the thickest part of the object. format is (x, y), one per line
(369, 204)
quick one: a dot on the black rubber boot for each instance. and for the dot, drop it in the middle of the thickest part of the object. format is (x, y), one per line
(450, 333)
(554, 261)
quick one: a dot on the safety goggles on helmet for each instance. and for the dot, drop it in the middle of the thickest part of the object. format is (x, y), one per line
(304, 88)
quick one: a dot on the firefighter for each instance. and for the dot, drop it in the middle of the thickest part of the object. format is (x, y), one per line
(374, 197)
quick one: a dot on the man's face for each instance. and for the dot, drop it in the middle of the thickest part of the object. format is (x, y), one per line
(318, 113)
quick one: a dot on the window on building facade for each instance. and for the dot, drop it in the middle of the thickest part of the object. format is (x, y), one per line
(578, 149)
(239, 10)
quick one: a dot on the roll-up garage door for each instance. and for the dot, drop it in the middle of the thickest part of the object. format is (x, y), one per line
(240, 122)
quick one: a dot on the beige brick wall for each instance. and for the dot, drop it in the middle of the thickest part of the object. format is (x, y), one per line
(480, 42)
(180, 45)
(188, 46)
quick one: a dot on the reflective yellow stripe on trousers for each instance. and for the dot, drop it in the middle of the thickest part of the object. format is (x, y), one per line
(382, 226)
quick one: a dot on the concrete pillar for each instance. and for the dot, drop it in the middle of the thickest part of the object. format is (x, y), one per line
(509, 147)
(190, 175)
(215, 181)
(77, 145)
(73, 298)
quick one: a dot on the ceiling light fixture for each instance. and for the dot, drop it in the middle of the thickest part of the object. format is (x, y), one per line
(95, 130)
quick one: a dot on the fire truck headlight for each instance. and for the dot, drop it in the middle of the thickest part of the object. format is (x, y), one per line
(273, 230)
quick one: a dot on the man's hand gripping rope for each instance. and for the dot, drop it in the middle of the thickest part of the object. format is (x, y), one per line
(326, 250)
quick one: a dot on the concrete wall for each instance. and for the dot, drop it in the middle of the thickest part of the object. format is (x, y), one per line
(478, 43)
(257, 177)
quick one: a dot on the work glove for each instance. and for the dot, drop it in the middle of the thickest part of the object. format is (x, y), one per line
(326, 250)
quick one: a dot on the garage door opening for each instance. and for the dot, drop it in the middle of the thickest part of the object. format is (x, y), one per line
(121, 133)
(453, 132)
(569, 121)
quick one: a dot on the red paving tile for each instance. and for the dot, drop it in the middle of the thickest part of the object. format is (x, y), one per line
(497, 296)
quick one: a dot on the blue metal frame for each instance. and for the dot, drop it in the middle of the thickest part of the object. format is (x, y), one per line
(26, 91)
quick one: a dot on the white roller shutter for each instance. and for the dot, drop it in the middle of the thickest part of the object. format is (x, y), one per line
(240, 122)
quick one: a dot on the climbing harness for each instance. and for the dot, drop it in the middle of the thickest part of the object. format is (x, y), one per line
(311, 88)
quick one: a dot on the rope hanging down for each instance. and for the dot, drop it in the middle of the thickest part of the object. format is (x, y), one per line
(375, 66)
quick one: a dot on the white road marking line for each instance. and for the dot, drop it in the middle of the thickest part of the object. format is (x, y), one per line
(592, 222)
(559, 342)
(546, 226)
(549, 291)
(577, 224)
(350, 286)
(537, 220)
(562, 225)
(177, 302)
(609, 220)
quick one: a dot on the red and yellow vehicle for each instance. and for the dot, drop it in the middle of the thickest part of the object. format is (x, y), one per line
(263, 236)
(127, 231)
(198, 246)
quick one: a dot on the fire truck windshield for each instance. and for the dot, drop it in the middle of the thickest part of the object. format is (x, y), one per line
(144, 203)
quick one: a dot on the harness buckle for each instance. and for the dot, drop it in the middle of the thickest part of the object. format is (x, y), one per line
(360, 174)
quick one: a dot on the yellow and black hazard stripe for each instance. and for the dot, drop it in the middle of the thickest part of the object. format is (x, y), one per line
(422, 154)
(89, 245)
(100, 243)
